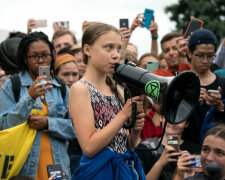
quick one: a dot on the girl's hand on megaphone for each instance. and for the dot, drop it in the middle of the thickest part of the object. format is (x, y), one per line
(139, 123)
(127, 109)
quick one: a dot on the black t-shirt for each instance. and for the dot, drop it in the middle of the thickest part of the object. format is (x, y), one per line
(191, 133)
(197, 176)
(149, 158)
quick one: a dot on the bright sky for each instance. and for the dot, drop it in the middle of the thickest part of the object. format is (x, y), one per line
(14, 15)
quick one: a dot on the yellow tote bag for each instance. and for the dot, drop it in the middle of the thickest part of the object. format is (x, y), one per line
(15, 145)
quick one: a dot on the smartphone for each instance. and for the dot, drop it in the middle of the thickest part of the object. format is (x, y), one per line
(212, 91)
(44, 70)
(124, 23)
(55, 169)
(40, 23)
(152, 66)
(148, 15)
(197, 160)
(173, 140)
(193, 25)
(65, 24)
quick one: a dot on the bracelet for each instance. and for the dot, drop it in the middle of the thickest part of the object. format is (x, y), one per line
(155, 38)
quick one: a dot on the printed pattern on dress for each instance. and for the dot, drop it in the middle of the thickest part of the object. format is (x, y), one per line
(105, 109)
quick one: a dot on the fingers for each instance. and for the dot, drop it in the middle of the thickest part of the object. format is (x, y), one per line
(182, 45)
(52, 177)
(212, 99)
(37, 121)
(139, 124)
(125, 33)
(138, 20)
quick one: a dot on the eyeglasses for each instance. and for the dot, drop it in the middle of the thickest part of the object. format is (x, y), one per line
(35, 59)
(209, 57)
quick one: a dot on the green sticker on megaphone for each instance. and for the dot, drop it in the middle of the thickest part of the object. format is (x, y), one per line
(152, 89)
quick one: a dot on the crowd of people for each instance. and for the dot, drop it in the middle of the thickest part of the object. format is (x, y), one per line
(82, 110)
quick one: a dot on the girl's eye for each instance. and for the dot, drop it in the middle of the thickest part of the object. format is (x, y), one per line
(205, 149)
(109, 47)
(75, 74)
(220, 153)
(66, 74)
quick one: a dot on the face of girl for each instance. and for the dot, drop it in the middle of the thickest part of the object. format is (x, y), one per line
(38, 54)
(213, 151)
(68, 72)
(105, 52)
(80, 63)
(175, 129)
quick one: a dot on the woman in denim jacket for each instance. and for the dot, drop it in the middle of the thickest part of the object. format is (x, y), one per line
(53, 129)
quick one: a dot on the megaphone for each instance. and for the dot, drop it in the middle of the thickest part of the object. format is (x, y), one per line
(179, 94)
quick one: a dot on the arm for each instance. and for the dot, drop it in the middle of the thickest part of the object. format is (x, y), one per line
(154, 32)
(215, 100)
(12, 113)
(57, 27)
(30, 25)
(125, 33)
(182, 168)
(164, 159)
(137, 22)
(15, 113)
(55, 124)
(136, 131)
(81, 111)
(182, 47)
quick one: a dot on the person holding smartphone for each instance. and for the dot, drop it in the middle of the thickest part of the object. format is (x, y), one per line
(161, 163)
(212, 158)
(137, 22)
(54, 128)
(202, 47)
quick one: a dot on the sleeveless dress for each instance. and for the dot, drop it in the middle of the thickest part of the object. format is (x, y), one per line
(105, 109)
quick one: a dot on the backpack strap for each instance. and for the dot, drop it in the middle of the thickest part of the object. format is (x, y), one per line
(62, 87)
(63, 91)
(16, 85)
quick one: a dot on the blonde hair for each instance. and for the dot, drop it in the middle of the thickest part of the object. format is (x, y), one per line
(91, 34)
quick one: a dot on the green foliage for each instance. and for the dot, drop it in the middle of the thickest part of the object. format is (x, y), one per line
(212, 12)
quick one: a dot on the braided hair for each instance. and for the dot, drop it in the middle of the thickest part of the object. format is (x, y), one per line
(24, 46)
(90, 35)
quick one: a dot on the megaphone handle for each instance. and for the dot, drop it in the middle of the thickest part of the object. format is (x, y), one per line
(125, 94)
(131, 123)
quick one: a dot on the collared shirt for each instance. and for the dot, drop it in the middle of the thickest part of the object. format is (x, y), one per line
(169, 72)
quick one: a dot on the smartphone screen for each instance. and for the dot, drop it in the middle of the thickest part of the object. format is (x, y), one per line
(55, 169)
(197, 160)
(148, 15)
(40, 23)
(194, 25)
(152, 66)
(173, 140)
(44, 70)
(124, 23)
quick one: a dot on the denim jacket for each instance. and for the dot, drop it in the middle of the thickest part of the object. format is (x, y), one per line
(59, 128)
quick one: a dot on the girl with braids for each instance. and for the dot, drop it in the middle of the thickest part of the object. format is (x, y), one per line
(53, 128)
(97, 113)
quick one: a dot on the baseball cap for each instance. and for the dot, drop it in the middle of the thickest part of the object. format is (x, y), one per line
(202, 36)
